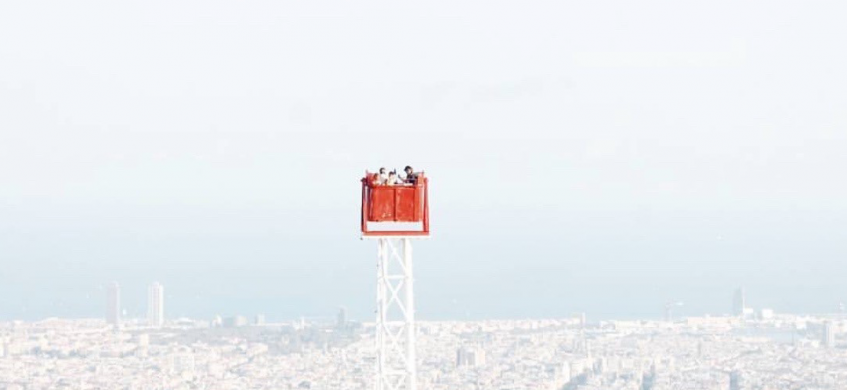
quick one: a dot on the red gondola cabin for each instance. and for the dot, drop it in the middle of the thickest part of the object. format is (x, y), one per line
(395, 210)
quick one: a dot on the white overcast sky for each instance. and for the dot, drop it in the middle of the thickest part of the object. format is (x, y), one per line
(157, 127)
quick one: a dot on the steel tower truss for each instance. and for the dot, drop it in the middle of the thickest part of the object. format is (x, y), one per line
(395, 315)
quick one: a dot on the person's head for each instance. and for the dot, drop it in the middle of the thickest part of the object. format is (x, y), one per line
(408, 170)
(381, 171)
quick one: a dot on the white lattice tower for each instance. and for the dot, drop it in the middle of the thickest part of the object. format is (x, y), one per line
(395, 316)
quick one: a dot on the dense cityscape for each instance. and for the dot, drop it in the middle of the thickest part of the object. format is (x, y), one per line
(749, 349)
(237, 195)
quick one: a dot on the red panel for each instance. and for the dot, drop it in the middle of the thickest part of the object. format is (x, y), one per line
(406, 209)
(382, 204)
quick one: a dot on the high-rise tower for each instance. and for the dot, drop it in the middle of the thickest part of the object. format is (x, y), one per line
(113, 304)
(738, 305)
(156, 305)
(828, 337)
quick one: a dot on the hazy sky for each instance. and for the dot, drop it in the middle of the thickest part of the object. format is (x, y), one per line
(585, 156)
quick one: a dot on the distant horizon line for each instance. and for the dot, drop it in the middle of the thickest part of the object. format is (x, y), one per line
(314, 319)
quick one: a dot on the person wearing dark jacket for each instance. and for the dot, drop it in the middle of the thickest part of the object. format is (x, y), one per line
(411, 176)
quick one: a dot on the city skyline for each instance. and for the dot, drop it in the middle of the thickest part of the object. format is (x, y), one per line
(739, 307)
(782, 351)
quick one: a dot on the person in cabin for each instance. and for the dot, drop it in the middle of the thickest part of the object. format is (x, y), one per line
(393, 180)
(382, 178)
(411, 176)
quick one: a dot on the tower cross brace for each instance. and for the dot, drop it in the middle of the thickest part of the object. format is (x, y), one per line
(395, 315)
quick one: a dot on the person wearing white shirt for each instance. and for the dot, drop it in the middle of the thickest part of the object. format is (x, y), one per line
(382, 177)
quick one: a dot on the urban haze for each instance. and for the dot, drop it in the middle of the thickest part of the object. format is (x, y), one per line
(624, 195)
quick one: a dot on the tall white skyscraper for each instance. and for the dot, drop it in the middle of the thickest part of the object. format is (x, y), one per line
(828, 339)
(341, 319)
(738, 304)
(113, 304)
(156, 305)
